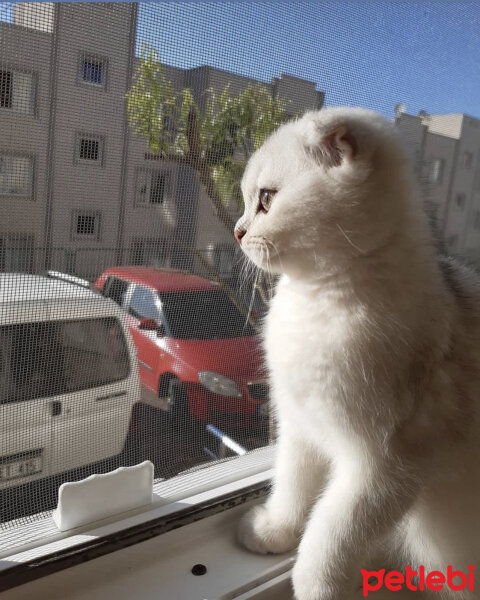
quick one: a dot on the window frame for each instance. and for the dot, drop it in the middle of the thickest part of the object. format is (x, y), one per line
(132, 311)
(96, 236)
(29, 238)
(31, 157)
(32, 112)
(167, 190)
(79, 136)
(108, 283)
(193, 496)
(92, 56)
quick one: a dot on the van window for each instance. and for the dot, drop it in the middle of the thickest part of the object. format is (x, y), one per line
(49, 358)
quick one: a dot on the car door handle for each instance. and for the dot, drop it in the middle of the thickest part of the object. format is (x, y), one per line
(56, 408)
(109, 396)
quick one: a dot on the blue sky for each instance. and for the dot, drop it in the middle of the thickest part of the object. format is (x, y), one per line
(366, 53)
(373, 54)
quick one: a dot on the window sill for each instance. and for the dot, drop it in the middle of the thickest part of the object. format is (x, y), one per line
(189, 497)
(161, 568)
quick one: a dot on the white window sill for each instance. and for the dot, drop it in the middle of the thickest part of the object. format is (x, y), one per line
(160, 568)
(33, 543)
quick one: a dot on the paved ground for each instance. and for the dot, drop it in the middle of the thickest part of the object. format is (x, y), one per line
(173, 450)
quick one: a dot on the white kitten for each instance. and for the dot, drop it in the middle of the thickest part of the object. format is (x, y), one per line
(374, 351)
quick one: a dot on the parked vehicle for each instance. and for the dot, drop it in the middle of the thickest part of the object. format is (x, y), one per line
(197, 354)
(68, 378)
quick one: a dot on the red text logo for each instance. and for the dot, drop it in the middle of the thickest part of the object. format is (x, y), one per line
(418, 580)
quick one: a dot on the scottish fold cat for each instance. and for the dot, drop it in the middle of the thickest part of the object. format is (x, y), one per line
(373, 346)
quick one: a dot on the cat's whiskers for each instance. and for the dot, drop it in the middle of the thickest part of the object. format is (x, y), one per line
(272, 244)
(349, 240)
(252, 297)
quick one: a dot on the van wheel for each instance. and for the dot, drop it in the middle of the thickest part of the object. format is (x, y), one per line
(177, 402)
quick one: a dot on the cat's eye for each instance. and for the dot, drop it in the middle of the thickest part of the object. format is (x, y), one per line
(265, 198)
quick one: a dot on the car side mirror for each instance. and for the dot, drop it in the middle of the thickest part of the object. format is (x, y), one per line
(152, 325)
(148, 325)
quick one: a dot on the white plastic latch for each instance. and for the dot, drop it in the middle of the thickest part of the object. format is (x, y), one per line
(101, 496)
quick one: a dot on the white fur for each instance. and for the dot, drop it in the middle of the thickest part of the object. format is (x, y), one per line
(374, 360)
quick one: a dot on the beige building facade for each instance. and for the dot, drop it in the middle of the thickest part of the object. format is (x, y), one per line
(78, 190)
(445, 151)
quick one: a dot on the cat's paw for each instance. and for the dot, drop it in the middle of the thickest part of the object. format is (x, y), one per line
(259, 532)
(310, 584)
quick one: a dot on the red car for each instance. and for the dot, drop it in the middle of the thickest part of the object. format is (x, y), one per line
(197, 354)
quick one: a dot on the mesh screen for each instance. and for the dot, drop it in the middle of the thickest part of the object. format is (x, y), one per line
(129, 323)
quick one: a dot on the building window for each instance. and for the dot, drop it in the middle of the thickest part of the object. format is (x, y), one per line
(436, 167)
(89, 149)
(6, 96)
(16, 176)
(92, 70)
(149, 252)
(16, 253)
(468, 160)
(460, 201)
(152, 186)
(16, 91)
(86, 224)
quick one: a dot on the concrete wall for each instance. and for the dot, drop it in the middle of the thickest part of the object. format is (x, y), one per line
(94, 110)
(454, 139)
(28, 51)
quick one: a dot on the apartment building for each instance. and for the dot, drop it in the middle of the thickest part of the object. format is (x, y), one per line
(445, 151)
(78, 190)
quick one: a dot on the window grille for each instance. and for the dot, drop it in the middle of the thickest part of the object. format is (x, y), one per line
(89, 149)
(86, 224)
(93, 71)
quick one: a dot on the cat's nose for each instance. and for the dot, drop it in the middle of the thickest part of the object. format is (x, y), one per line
(239, 233)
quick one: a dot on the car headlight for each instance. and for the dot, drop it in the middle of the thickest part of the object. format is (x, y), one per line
(218, 384)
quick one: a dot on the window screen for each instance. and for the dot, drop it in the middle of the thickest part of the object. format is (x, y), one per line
(52, 358)
(128, 179)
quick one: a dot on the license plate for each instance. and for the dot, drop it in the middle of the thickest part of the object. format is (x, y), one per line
(264, 409)
(20, 468)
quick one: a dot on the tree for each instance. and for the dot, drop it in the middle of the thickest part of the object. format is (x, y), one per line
(216, 140)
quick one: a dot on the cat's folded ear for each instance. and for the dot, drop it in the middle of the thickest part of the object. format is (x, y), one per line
(330, 148)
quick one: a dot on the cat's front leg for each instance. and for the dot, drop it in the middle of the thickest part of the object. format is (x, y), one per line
(276, 526)
(362, 502)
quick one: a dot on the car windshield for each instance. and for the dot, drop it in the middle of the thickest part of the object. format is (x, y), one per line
(204, 315)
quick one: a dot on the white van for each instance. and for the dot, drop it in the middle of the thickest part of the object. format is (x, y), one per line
(68, 378)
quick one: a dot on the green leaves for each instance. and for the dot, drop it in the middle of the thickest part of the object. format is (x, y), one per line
(219, 139)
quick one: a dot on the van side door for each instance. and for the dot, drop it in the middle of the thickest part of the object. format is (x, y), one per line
(94, 391)
(26, 365)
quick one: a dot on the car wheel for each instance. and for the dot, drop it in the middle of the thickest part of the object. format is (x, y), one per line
(177, 402)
